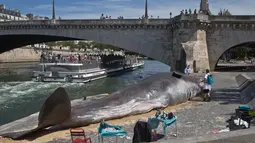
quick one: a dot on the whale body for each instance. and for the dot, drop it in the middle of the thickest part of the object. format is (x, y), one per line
(58, 112)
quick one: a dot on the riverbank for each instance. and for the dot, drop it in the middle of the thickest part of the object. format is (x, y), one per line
(195, 118)
(32, 54)
(20, 55)
(127, 122)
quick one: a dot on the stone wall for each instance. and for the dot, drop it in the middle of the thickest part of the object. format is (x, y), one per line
(20, 55)
(27, 55)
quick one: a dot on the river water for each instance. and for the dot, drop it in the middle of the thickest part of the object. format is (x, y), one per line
(20, 97)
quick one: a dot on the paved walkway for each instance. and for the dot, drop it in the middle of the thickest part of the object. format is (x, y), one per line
(197, 119)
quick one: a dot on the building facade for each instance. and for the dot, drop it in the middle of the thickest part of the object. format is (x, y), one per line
(37, 17)
(10, 15)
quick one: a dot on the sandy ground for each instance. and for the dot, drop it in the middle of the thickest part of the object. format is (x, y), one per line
(91, 129)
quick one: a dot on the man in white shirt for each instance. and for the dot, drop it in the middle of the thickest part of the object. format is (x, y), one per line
(187, 70)
(207, 87)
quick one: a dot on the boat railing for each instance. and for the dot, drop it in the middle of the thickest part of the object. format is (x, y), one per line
(70, 61)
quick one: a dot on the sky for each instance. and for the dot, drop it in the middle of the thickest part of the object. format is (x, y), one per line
(92, 9)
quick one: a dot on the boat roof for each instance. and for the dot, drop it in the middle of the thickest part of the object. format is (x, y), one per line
(61, 64)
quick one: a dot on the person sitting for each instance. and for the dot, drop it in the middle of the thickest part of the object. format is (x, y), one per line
(158, 113)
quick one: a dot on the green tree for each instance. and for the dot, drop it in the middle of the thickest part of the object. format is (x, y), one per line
(51, 44)
(83, 45)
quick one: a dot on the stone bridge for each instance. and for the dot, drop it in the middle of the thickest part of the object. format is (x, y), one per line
(198, 40)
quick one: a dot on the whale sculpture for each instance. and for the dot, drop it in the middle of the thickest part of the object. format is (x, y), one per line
(58, 112)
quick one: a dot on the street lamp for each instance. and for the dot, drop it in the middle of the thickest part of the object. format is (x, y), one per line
(170, 15)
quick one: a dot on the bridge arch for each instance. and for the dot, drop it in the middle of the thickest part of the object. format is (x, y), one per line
(249, 44)
(9, 42)
(153, 43)
(219, 41)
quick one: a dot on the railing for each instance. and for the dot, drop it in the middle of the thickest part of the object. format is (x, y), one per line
(203, 17)
(27, 22)
(69, 61)
(191, 17)
(88, 22)
(194, 17)
(233, 18)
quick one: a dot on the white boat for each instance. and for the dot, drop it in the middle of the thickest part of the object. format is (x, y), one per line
(77, 72)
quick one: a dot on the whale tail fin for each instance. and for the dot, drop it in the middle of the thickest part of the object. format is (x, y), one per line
(56, 109)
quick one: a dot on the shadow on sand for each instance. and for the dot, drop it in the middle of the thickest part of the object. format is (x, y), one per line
(36, 134)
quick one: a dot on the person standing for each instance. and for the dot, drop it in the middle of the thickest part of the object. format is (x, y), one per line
(187, 70)
(208, 81)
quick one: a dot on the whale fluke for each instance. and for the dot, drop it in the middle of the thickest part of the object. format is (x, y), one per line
(56, 109)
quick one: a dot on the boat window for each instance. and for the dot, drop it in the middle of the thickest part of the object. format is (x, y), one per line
(60, 68)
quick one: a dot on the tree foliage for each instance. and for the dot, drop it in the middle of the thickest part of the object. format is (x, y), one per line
(240, 53)
(51, 44)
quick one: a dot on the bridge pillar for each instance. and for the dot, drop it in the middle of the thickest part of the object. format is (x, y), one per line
(53, 21)
(145, 21)
(196, 52)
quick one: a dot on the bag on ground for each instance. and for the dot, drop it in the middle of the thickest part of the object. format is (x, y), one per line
(142, 132)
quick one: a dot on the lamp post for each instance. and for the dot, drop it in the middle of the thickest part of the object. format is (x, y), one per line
(170, 15)
(53, 12)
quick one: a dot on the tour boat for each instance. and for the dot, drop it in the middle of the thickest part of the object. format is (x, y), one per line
(80, 72)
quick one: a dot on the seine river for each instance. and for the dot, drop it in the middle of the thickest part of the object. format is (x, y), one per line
(20, 97)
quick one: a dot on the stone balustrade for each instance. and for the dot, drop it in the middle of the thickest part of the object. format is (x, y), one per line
(192, 17)
(243, 18)
(91, 22)
(179, 18)
(180, 21)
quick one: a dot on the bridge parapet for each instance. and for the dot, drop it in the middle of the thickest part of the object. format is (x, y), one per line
(243, 18)
(27, 22)
(91, 22)
(117, 21)
(194, 17)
